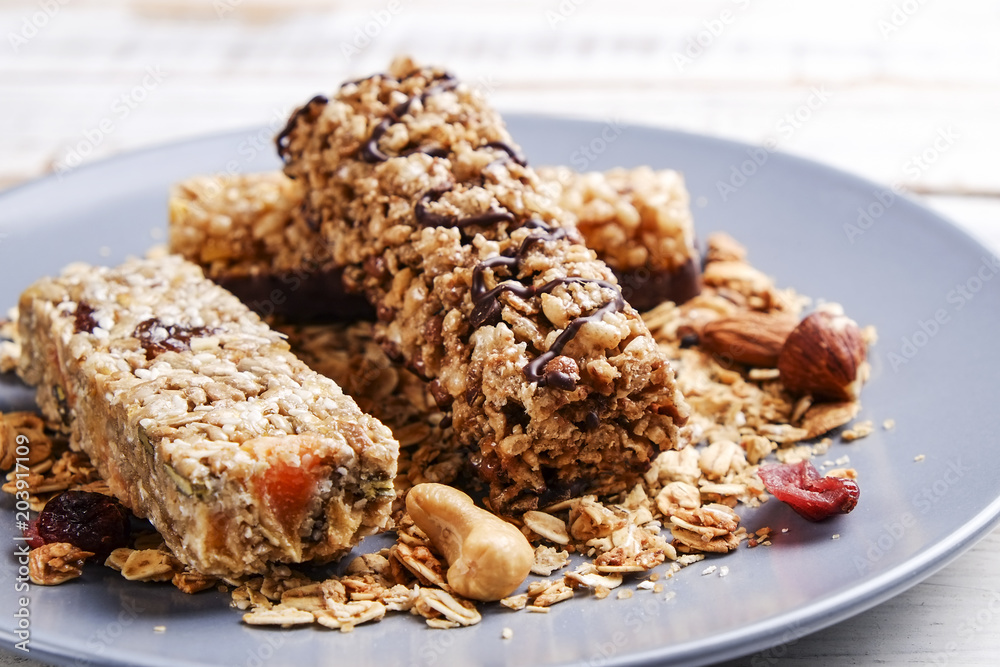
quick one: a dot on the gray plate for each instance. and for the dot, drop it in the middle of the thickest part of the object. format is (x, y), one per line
(903, 274)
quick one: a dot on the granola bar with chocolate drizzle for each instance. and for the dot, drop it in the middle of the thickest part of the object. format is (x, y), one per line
(553, 381)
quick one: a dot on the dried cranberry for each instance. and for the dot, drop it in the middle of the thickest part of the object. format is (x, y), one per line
(31, 535)
(89, 521)
(807, 492)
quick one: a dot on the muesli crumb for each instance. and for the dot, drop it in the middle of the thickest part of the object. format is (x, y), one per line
(860, 430)
(506, 633)
(919, 457)
(889, 424)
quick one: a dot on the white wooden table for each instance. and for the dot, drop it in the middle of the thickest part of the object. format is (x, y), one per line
(83, 79)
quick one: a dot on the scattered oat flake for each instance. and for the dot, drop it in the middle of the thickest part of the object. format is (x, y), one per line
(536, 609)
(625, 594)
(860, 430)
(836, 536)
(843, 460)
(159, 628)
(658, 588)
(708, 570)
(919, 457)
(670, 595)
(889, 424)
(724, 571)
(784, 530)
(506, 633)
(645, 585)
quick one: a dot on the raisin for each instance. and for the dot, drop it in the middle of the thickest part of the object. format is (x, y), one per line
(157, 337)
(83, 320)
(807, 492)
(89, 521)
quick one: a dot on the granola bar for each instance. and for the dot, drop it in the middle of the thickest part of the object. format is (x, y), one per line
(482, 287)
(242, 229)
(200, 419)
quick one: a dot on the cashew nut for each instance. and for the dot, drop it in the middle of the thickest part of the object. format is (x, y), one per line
(488, 558)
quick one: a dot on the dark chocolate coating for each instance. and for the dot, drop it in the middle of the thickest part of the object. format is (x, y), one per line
(322, 297)
(318, 296)
(645, 289)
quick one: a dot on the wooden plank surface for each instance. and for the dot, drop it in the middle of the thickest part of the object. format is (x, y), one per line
(868, 86)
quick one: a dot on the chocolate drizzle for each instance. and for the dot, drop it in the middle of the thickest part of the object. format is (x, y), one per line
(370, 152)
(356, 82)
(281, 141)
(430, 219)
(534, 371)
(511, 152)
(487, 309)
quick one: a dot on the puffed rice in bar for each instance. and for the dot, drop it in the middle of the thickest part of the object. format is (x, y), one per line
(639, 222)
(201, 420)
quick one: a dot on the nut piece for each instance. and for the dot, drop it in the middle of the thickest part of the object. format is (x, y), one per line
(488, 558)
(56, 563)
(750, 338)
(824, 356)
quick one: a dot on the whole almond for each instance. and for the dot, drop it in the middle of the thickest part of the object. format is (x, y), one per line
(750, 338)
(824, 357)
